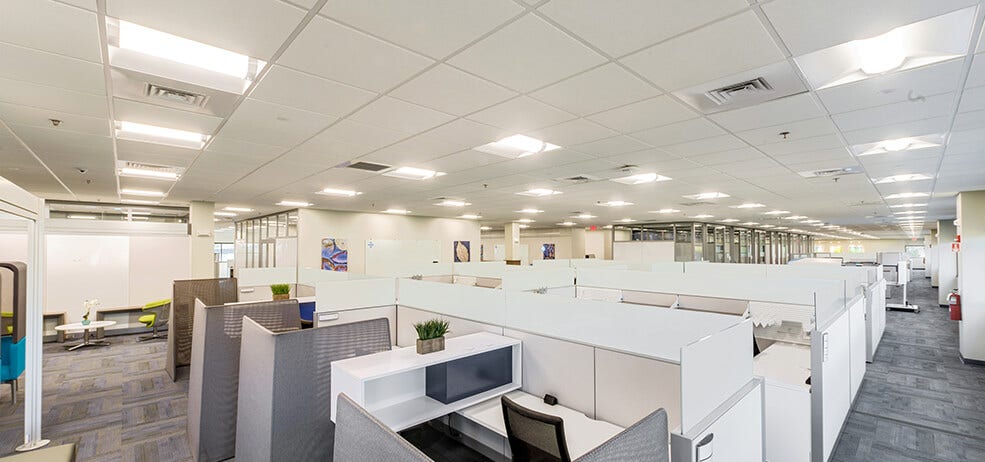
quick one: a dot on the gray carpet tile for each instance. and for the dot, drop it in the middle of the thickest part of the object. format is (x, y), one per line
(918, 401)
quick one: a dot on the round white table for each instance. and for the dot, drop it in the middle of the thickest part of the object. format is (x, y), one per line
(85, 333)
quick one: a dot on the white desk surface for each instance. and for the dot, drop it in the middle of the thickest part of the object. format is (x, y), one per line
(399, 360)
(79, 326)
(580, 432)
(786, 363)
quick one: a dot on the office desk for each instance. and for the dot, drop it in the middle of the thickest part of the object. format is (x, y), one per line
(581, 433)
(786, 363)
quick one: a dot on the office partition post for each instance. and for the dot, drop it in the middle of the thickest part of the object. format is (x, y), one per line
(34, 327)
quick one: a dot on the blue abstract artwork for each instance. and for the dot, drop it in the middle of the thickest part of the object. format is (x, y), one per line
(334, 255)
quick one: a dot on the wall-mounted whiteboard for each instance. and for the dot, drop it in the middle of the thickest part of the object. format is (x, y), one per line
(396, 257)
(155, 263)
(86, 267)
(643, 251)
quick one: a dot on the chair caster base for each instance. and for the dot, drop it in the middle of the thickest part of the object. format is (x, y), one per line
(144, 338)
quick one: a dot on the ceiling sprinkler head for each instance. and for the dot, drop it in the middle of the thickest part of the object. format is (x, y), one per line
(784, 134)
(55, 122)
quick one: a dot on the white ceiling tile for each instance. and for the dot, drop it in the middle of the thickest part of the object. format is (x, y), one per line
(521, 114)
(793, 146)
(936, 125)
(976, 76)
(26, 115)
(230, 148)
(646, 157)
(354, 137)
(893, 88)
(797, 131)
(399, 115)
(573, 132)
(973, 99)
(51, 27)
(896, 113)
(43, 68)
(728, 157)
(968, 120)
(724, 48)
(465, 134)
(150, 114)
(833, 154)
(252, 27)
(807, 25)
(432, 27)
(611, 146)
(265, 123)
(705, 146)
(653, 112)
(462, 161)
(450, 90)
(337, 52)
(288, 87)
(154, 154)
(783, 110)
(680, 132)
(631, 25)
(40, 96)
(596, 90)
(527, 54)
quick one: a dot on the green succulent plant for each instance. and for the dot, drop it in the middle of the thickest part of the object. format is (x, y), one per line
(431, 329)
(280, 289)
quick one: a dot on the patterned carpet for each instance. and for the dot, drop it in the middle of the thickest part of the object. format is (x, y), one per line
(116, 403)
(918, 402)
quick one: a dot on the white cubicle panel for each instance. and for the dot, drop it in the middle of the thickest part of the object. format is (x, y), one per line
(647, 298)
(643, 251)
(476, 303)
(538, 278)
(628, 387)
(676, 267)
(314, 276)
(254, 277)
(406, 335)
(831, 381)
(735, 429)
(594, 293)
(717, 270)
(857, 346)
(566, 370)
(713, 304)
(712, 369)
(355, 294)
(480, 269)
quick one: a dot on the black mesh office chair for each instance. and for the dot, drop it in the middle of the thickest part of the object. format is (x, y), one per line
(534, 436)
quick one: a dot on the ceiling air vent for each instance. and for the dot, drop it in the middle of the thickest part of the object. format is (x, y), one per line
(367, 166)
(576, 179)
(695, 204)
(174, 95)
(750, 89)
(829, 172)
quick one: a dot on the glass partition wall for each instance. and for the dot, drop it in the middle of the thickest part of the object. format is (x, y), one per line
(256, 238)
(696, 241)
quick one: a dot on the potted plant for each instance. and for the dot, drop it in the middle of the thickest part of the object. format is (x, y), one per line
(281, 291)
(431, 336)
(88, 305)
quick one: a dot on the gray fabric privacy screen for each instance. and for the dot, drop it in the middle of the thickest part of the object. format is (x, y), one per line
(180, 320)
(644, 441)
(213, 382)
(285, 385)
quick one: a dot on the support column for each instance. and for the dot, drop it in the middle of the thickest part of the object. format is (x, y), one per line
(201, 228)
(578, 243)
(511, 239)
(971, 275)
(608, 238)
(947, 261)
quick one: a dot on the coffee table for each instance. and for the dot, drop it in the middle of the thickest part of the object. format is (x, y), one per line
(86, 342)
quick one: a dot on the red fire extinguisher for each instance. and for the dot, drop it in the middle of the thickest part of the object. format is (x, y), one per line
(954, 300)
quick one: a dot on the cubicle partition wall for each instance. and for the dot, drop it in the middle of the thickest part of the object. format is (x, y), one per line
(479, 273)
(285, 400)
(254, 283)
(214, 374)
(357, 300)
(181, 317)
(547, 280)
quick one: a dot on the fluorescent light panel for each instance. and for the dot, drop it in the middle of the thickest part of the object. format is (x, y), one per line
(776, 212)
(704, 215)
(470, 216)
(539, 192)
(529, 211)
(338, 192)
(139, 201)
(615, 203)
(747, 205)
(641, 178)
(453, 203)
(173, 48)
(134, 131)
(224, 214)
(82, 217)
(141, 192)
(397, 211)
(665, 211)
(903, 178)
(897, 206)
(516, 146)
(148, 173)
(905, 195)
(411, 173)
(238, 209)
(287, 203)
(706, 196)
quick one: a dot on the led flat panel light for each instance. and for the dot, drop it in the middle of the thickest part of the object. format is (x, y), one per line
(794, 217)
(704, 215)
(523, 226)
(139, 201)
(411, 173)
(470, 216)
(338, 192)
(238, 209)
(641, 178)
(907, 205)
(160, 135)
(750, 223)
(906, 47)
(82, 217)
(615, 203)
(583, 216)
(627, 220)
(147, 173)
(664, 211)
(173, 48)
(748, 205)
(397, 211)
(141, 192)
(776, 212)
(730, 220)
(453, 203)
(539, 192)
(294, 204)
(485, 228)
(224, 214)
(905, 195)
(516, 146)
(706, 196)
(529, 211)
(903, 178)
(898, 145)
(524, 220)
(567, 223)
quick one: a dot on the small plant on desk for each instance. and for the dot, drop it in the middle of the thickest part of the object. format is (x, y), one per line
(280, 291)
(88, 305)
(431, 335)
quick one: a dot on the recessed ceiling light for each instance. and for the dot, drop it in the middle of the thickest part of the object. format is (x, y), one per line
(776, 212)
(411, 173)
(469, 216)
(882, 53)
(523, 226)
(906, 195)
(707, 195)
(583, 216)
(897, 145)
(903, 178)
(779, 228)
(906, 205)
(82, 217)
(529, 211)
(516, 146)
(485, 228)
(704, 215)
(911, 212)
(338, 192)
(767, 226)
(615, 203)
(397, 211)
(238, 209)
(750, 223)
(811, 221)
(224, 214)
(453, 203)
(664, 211)
(641, 178)
(173, 48)
(148, 173)
(139, 201)
(730, 220)
(539, 192)
(794, 217)
(141, 192)
(133, 131)
(747, 205)
(568, 223)
(294, 204)
(627, 220)
(525, 220)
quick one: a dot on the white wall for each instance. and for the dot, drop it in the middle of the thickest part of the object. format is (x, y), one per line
(357, 228)
(971, 274)
(870, 246)
(534, 239)
(595, 243)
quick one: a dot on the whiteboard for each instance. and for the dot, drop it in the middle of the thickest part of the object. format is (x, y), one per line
(86, 267)
(395, 257)
(155, 263)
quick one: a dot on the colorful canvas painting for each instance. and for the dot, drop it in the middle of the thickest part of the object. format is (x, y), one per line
(463, 253)
(334, 255)
(548, 251)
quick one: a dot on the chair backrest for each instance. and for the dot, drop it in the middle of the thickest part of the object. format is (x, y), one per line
(644, 441)
(12, 358)
(163, 308)
(534, 436)
(360, 437)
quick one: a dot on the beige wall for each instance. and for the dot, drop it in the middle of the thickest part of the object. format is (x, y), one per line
(357, 228)
(595, 243)
(534, 239)
(871, 246)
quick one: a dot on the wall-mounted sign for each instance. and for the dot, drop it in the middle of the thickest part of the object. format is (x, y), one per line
(955, 247)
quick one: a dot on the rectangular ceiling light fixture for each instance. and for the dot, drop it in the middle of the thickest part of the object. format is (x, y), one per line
(907, 205)
(238, 209)
(141, 192)
(614, 203)
(453, 203)
(665, 211)
(704, 215)
(641, 178)
(471, 216)
(525, 220)
(730, 220)
(583, 216)
(338, 192)
(903, 178)
(397, 211)
(82, 217)
(530, 211)
(411, 173)
(706, 196)
(905, 195)
(154, 173)
(776, 212)
(139, 201)
(539, 192)
(133, 131)
(567, 223)
(294, 204)
(795, 217)
(516, 146)
(747, 205)
(898, 145)
(224, 214)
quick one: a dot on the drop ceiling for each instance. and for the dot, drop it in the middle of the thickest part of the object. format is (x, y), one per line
(420, 84)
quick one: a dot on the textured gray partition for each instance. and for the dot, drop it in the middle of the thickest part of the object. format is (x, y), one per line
(181, 317)
(285, 387)
(213, 383)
